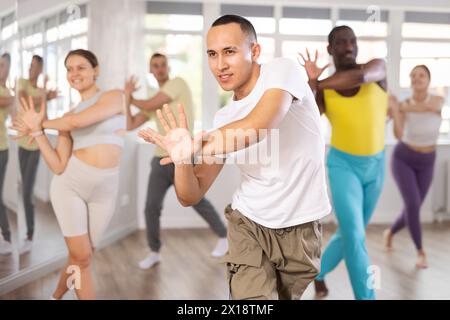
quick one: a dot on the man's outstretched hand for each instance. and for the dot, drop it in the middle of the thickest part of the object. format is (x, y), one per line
(177, 140)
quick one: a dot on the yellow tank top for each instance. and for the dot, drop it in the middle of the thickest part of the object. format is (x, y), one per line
(357, 122)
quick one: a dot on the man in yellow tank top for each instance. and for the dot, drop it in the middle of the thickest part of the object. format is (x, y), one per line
(6, 103)
(354, 99)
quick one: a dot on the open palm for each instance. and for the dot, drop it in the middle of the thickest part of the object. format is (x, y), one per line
(312, 69)
(131, 85)
(177, 141)
(28, 119)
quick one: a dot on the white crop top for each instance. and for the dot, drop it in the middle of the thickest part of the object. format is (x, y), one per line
(103, 132)
(421, 128)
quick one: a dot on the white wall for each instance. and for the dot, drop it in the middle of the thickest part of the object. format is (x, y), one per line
(115, 35)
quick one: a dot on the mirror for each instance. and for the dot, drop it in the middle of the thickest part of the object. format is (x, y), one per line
(9, 66)
(44, 44)
(39, 234)
(45, 33)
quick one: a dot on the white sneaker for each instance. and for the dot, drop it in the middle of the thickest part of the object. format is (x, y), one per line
(6, 247)
(26, 246)
(152, 259)
(221, 248)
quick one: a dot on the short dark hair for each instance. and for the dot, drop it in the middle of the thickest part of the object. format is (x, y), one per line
(39, 59)
(7, 57)
(333, 32)
(424, 67)
(246, 26)
(158, 55)
(88, 55)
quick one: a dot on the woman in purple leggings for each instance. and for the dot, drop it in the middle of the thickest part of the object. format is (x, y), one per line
(416, 126)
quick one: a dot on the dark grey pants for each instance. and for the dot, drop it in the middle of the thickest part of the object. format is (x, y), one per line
(160, 180)
(4, 225)
(29, 161)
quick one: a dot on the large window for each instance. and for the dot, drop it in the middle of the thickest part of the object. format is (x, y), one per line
(175, 29)
(305, 21)
(305, 28)
(9, 43)
(52, 37)
(370, 27)
(262, 19)
(302, 29)
(426, 40)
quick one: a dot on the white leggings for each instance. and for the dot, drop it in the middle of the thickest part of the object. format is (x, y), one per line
(84, 198)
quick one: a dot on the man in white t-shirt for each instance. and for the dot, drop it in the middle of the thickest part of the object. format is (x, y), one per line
(271, 129)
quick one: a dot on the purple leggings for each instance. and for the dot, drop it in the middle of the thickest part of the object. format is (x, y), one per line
(413, 173)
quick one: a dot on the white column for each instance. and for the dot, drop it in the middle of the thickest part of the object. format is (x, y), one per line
(210, 94)
(116, 37)
(278, 14)
(394, 42)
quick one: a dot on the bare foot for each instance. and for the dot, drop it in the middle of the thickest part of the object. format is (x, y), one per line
(387, 237)
(321, 288)
(421, 261)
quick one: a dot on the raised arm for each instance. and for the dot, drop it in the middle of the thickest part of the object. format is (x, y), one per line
(398, 116)
(153, 103)
(58, 157)
(108, 105)
(373, 71)
(435, 105)
(313, 71)
(267, 114)
(29, 123)
(135, 121)
(192, 182)
(318, 95)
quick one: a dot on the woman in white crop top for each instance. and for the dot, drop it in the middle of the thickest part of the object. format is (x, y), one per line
(86, 165)
(416, 125)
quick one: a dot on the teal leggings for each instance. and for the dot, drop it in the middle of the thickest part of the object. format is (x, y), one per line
(355, 183)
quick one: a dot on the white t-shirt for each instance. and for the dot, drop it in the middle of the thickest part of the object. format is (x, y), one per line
(292, 189)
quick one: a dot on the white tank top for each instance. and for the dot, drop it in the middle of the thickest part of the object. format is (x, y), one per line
(103, 132)
(421, 128)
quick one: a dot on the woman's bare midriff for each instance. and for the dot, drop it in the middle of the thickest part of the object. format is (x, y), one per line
(103, 156)
(426, 149)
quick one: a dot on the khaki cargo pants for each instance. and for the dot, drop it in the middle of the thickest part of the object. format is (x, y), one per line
(264, 263)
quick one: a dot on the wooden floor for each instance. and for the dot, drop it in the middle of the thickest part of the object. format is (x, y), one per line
(188, 272)
(9, 263)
